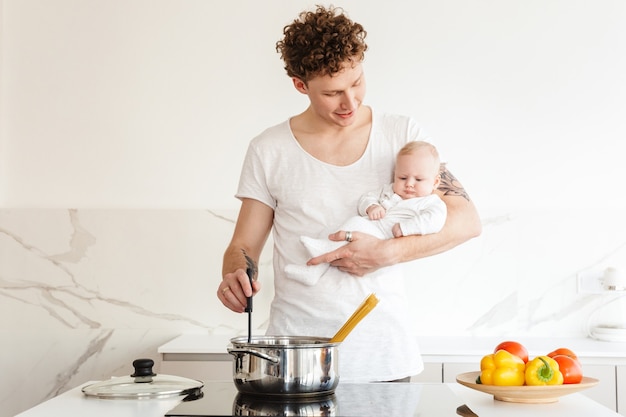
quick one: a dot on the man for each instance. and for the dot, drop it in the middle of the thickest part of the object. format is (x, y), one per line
(305, 176)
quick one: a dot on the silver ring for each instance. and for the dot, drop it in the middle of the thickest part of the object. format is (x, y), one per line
(349, 236)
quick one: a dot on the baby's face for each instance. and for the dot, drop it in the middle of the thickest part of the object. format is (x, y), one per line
(416, 175)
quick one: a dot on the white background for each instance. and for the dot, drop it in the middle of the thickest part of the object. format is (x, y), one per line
(151, 103)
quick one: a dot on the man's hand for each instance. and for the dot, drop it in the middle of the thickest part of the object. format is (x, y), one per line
(363, 255)
(235, 288)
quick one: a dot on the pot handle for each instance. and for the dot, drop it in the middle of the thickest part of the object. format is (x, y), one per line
(273, 359)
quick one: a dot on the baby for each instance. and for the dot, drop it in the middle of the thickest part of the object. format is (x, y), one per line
(408, 206)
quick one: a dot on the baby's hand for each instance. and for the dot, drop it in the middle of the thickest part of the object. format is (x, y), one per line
(375, 212)
(397, 232)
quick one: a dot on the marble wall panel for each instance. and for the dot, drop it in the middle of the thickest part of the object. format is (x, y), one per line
(84, 292)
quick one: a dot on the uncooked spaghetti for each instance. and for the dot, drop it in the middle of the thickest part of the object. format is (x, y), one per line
(366, 306)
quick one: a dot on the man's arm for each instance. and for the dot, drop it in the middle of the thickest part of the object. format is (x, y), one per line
(462, 223)
(251, 232)
(366, 253)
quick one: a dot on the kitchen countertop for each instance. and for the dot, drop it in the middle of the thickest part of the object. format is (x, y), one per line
(413, 399)
(434, 349)
(573, 405)
(75, 403)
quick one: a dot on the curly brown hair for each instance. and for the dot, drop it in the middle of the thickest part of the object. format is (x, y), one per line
(319, 43)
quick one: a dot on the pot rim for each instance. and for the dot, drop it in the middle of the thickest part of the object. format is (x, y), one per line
(284, 342)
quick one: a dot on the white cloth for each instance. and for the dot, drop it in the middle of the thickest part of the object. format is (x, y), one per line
(416, 216)
(310, 197)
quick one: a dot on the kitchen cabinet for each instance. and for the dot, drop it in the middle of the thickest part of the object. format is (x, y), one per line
(203, 357)
(621, 389)
(432, 373)
(452, 369)
(605, 392)
(213, 370)
(197, 356)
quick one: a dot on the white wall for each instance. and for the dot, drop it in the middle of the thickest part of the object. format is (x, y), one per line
(151, 103)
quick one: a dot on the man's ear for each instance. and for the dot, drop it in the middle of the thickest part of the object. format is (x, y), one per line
(300, 85)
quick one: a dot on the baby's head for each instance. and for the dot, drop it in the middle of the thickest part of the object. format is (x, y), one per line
(417, 170)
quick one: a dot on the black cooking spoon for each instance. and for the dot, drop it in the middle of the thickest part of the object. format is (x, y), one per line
(250, 273)
(250, 270)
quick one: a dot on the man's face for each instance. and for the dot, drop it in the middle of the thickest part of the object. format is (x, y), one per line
(336, 99)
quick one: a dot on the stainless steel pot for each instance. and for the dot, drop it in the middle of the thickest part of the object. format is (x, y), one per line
(285, 365)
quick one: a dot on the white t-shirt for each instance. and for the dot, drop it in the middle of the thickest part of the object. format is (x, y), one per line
(313, 198)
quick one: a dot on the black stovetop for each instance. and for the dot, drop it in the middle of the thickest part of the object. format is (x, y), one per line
(350, 399)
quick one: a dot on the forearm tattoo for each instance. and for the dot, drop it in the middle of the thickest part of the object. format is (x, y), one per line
(450, 185)
(250, 264)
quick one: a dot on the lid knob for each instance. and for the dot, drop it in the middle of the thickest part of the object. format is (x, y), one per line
(143, 370)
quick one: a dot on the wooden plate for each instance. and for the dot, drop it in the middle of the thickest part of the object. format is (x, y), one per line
(525, 394)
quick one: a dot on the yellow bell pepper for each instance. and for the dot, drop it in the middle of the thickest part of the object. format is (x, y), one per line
(502, 368)
(543, 370)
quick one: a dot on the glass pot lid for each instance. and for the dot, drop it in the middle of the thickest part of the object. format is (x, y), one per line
(144, 383)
